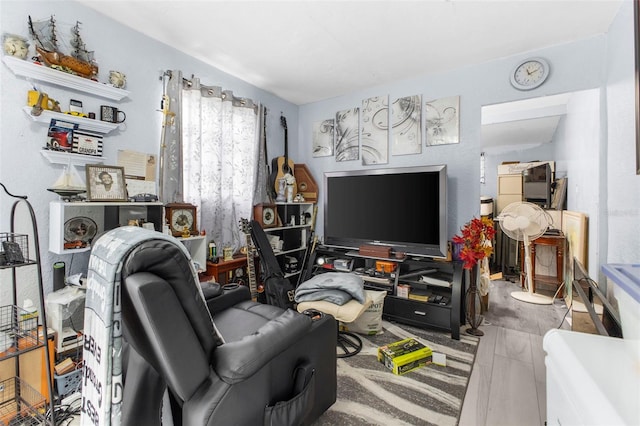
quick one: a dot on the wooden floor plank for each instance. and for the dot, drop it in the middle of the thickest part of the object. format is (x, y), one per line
(514, 344)
(513, 398)
(476, 401)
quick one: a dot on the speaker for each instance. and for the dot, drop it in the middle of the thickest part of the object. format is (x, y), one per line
(59, 273)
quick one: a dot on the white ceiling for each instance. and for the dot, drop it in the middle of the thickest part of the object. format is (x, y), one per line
(526, 123)
(306, 51)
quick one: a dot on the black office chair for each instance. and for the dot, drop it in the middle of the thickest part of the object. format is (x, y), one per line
(275, 366)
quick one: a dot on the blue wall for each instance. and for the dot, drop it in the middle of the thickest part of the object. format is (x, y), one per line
(602, 63)
(25, 171)
(482, 84)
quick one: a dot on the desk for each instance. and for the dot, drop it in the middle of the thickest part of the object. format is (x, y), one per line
(557, 241)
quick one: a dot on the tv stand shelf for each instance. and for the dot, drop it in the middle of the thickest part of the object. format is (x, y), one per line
(446, 279)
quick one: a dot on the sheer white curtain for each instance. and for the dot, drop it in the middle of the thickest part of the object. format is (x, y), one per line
(220, 148)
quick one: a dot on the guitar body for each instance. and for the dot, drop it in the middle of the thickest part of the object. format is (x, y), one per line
(282, 166)
(278, 165)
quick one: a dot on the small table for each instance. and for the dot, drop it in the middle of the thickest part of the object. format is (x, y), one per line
(222, 270)
(557, 241)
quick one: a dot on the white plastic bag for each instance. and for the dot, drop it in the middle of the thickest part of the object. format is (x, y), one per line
(370, 322)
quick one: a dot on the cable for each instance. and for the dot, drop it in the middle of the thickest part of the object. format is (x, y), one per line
(568, 309)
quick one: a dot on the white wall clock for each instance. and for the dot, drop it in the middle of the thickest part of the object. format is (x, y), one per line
(530, 73)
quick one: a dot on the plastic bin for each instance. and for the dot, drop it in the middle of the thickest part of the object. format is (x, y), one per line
(69, 383)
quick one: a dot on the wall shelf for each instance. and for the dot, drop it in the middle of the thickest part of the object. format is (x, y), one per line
(59, 157)
(92, 125)
(28, 69)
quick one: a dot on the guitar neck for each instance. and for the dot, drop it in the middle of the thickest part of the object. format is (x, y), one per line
(251, 270)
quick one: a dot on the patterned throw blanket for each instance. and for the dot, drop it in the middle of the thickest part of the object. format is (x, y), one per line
(102, 386)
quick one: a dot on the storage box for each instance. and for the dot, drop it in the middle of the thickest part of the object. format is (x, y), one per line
(69, 383)
(404, 356)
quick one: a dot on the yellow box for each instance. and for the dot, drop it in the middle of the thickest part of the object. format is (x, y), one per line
(404, 356)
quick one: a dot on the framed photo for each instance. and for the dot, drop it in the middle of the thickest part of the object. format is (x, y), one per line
(106, 183)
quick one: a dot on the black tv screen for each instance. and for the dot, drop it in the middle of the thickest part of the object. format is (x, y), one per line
(404, 208)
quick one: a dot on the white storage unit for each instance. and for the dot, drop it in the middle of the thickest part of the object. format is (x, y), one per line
(591, 379)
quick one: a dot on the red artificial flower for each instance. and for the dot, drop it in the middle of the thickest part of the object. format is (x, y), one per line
(474, 239)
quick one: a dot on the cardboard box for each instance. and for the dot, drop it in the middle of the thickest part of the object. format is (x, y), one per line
(404, 356)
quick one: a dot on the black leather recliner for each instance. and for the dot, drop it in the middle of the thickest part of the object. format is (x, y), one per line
(229, 361)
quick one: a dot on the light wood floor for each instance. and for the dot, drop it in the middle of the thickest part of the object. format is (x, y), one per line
(508, 381)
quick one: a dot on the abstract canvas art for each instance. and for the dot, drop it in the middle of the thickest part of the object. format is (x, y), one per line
(406, 115)
(347, 142)
(443, 121)
(375, 130)
(322, 140)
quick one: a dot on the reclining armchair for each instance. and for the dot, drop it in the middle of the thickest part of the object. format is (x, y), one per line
(223, 359)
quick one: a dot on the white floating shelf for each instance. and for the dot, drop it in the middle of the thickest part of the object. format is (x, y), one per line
(28, 69)
(58, 157)
(83, 123)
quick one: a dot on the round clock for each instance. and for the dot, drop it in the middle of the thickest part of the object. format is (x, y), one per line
(265, 214)
(15, 46)
(182, 219)
(530, 73)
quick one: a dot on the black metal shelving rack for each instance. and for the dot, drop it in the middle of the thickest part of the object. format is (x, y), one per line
(18, 400)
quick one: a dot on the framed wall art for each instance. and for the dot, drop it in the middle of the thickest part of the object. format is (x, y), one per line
(347, 141)
(374, 133)
(574, 228)
(322, 138)
(106, 183)
(406, 125)
(443, 121)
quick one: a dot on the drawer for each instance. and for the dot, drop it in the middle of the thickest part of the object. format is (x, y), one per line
(418, 313)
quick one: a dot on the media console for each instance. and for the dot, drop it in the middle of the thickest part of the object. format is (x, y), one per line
(420, 291)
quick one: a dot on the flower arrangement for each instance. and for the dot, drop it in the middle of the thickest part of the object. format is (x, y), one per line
(475, 239)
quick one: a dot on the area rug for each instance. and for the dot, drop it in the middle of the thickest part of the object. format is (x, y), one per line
(369, 394)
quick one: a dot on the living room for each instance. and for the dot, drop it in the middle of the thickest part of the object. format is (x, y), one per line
(602, 176)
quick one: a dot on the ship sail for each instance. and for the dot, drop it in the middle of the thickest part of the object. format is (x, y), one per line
(80, 51)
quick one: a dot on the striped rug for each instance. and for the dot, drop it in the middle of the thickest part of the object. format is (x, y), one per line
(369, 394)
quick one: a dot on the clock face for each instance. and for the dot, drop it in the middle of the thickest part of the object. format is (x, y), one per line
(530, 74)
(268, 216)
(181, 218)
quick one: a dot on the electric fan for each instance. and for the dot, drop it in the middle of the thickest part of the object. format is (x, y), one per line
(523, 221)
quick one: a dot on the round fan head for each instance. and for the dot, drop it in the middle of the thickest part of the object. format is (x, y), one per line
(522, 218)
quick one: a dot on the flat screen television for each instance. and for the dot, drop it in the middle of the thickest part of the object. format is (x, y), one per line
(404, 208)
(537, 185)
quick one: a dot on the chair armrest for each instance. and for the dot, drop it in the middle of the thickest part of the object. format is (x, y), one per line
(236, 361)
(231, 295)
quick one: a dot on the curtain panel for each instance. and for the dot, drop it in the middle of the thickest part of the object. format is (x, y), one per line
(219, 156)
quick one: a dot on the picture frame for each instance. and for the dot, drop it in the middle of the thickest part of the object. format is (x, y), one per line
(105, 183)
(575, 229)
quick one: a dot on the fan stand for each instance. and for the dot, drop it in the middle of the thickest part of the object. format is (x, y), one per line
(529, 296)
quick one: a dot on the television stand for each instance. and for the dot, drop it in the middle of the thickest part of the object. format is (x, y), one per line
(421, 292)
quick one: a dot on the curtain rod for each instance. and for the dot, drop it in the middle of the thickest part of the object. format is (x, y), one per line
(194, 84)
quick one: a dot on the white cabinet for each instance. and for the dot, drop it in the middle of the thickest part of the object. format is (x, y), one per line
(74, 225)
(290, 240)
(197, 246)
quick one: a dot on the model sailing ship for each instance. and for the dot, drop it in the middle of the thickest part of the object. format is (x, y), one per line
(80, 61)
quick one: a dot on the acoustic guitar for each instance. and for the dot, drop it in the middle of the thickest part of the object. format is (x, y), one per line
(281, 166)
